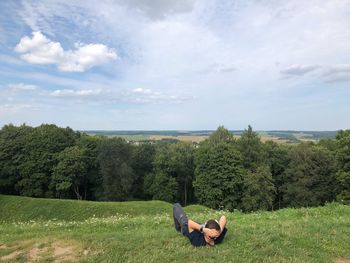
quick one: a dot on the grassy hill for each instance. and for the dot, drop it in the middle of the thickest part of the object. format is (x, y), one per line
(46, 230)
(15, 208)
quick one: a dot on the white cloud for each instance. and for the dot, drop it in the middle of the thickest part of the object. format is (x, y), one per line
(40, 50)
(337, 73)
(21, 86)
(299, 70)
(147, 96)
(138, 96)
(337, 69)
(342, 68)
(36, 15)
(142, 91)
(10, 109)
(218, 68)
(223, 68)
(75, 93)
(159, 8)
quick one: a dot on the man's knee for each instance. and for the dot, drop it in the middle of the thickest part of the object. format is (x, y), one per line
(177, 208)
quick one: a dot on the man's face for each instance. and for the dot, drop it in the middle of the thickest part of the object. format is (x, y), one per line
(212, 234)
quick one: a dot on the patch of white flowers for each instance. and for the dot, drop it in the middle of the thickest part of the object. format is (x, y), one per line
(115, 219)
(122, 220)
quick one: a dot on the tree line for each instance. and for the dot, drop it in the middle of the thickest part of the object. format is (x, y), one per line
(223, 172)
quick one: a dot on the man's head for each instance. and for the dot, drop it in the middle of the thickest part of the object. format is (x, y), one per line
(212, 224)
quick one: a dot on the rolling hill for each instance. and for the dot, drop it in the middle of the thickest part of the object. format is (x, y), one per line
(46, 230)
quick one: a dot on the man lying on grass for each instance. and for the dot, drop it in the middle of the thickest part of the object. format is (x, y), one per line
(208, 234)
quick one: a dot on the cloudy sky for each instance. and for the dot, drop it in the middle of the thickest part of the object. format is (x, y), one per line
(176, 64)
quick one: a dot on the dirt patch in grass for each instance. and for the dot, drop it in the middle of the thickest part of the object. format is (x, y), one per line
(342, 260)
(34, 254)
(37, 252)
(64, 252)
(11, 256)
(45, 250)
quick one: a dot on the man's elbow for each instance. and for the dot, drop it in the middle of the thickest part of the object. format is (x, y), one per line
(223, 221)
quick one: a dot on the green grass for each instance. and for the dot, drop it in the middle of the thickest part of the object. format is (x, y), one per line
(15, 208)
(144, 232)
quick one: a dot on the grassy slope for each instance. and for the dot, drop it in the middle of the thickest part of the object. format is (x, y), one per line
(143, 232)
(14, 208)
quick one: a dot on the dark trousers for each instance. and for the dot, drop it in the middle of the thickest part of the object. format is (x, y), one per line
(180, 219)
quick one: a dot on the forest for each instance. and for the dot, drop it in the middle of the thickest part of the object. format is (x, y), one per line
(222, 172)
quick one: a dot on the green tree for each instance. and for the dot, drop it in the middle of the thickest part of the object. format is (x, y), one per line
(175, 160)
(70, 172)
(142, 164)
(117, 175)
(220, 135)
(258, 172)
(161, 186)
(40, 155)
(343, 179)
(252, 149)
(277, 158)
(91, 181)
(258, 190)
(218, 175)
(183, 153)
(12, 143)
(330, 144)
(309, 177)
(343, 158)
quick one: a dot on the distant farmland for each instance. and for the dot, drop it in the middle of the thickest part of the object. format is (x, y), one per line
(185, 138)
(201, 135)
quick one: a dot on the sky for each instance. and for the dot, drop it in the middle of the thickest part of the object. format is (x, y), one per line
(176, 64)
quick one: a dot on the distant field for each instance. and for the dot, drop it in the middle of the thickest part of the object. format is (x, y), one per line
(134, 137)
(46, 230)
(192, 138)
(189, 138)
(198, 136)
(265, 138)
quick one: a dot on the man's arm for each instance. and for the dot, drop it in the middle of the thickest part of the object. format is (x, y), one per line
(222, 222)
(195, 226)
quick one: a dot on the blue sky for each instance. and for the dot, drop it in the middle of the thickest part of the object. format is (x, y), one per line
(176, 64)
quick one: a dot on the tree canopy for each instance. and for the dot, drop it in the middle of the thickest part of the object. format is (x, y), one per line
(223, 171)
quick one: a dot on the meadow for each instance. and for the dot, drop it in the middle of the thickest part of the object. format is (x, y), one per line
(47, 230)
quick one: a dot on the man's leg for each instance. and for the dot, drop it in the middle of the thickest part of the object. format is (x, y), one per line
(177, 224)
(180, 219)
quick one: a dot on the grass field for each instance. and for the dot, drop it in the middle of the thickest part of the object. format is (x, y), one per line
(46, 230)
